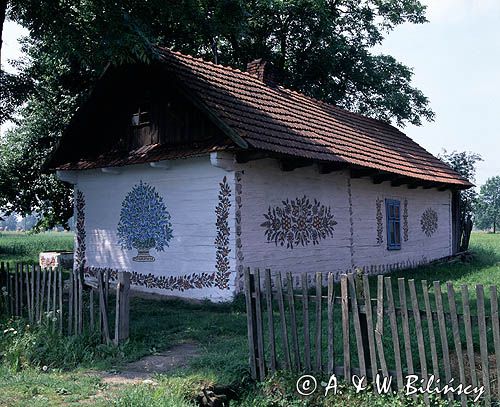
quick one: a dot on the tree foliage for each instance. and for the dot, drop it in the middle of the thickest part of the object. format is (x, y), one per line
(324, 47)
(488, 205)
(465, 164)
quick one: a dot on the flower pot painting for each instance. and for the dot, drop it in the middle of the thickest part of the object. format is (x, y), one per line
(144, 222)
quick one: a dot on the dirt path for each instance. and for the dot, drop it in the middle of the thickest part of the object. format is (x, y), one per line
(145, 368)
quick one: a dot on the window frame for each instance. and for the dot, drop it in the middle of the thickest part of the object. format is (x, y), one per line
(393, 223)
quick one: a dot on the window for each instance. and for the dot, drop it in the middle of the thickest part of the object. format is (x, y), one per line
(393, 224)
(141, 117)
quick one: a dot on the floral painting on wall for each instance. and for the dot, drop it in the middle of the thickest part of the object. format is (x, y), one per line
(429, 222)
(298, 221)
(144, 222)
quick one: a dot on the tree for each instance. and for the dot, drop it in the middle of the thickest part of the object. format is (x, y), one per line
(9, 222)
(488, 206)
(324, 48)
(465, 164)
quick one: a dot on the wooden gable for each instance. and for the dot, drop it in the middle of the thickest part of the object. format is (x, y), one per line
(134, 107)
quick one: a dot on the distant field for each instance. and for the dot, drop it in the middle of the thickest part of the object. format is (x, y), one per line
(25, 247)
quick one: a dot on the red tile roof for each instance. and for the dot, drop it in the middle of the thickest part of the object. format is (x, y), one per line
(280, 120)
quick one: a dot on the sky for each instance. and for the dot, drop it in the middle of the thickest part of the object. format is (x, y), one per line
(455, 58)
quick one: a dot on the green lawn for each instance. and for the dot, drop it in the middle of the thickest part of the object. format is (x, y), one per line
(157, 325)
(25, 247)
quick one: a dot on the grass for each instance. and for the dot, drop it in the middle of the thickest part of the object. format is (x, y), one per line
(220, 329)
(25, 247)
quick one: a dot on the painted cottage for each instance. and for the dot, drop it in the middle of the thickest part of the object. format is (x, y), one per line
(186, 172)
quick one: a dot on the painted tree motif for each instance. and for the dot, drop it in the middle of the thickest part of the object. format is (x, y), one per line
(380, 225)
(429, 222)
(299, 221)
(80, 229)
(222, 238)
(405, 220)
(144, 222)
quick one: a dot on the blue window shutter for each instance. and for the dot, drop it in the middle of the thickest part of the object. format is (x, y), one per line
(393, 221)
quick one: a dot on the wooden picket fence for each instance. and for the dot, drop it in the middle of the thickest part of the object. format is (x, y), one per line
(71, 304)
(335, 330)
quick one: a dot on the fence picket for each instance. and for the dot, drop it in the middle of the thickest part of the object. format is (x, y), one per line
(406, 325)
(42, 295)
(456, 337)
(54, 299)
(468, 334)
(38, 286)
(60, 316)
(379, 328)
(394, 331)
(270, 320)
(483, 344)
(250, 321)
(33, 299)
(443, 334)
(318, 346)
(284, 329)
(420, 335)
(91, 308)
(496, 331)
(104, 311)
(344, 292)
(80, 301)
(305, 314)
(49, 285)
(369, 323)
(357, 325)
(21, 289)
(293, 322)
(28, 296)
(16, 290)
(10, 291)
(331, 299)
(260, 330)
(430, 330)
(70, 302)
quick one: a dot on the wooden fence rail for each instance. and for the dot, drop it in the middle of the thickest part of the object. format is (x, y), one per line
(53, 296)
(390, 330)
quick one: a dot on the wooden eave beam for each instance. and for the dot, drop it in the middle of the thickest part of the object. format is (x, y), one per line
(362, 172)
(243, 157)
(290, 164)
(429, 184)
(327, 168)
(397, 182)
(383, 176)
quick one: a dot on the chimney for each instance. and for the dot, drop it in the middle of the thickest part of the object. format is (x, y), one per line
(265, 71)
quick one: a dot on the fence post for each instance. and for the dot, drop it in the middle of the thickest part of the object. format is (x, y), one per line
(103, 311)
(60, 300)
(122, 316)
(251, 323)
